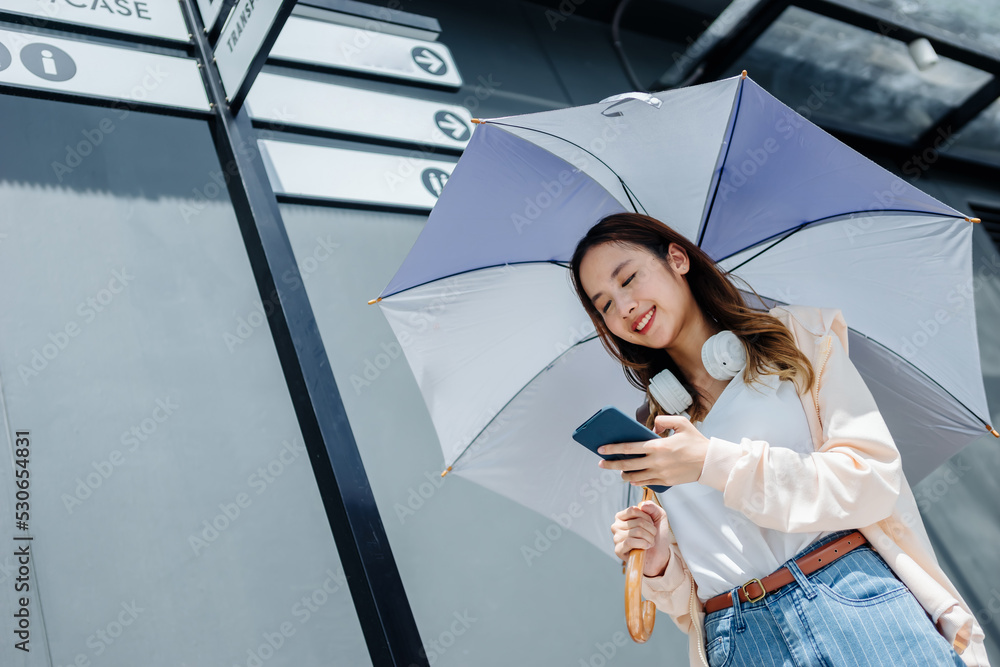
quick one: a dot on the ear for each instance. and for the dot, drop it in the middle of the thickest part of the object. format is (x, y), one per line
(678, 259)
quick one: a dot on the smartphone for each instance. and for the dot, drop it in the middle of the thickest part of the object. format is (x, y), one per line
(611, 426)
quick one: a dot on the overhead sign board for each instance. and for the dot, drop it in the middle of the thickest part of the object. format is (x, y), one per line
(304, 103)
(359, 177)
(246, 38)
(42, 62)
(210, 10)
(153, 18)
(315, 42)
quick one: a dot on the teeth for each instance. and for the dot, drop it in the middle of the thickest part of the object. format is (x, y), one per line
(644, 321)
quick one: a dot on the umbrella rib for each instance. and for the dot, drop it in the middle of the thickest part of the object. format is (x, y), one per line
(556, 136)
(807, 223)
(516, 394)
(564, 265)
(722, 165)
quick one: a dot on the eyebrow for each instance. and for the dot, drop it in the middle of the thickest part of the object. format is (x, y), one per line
(614, 274)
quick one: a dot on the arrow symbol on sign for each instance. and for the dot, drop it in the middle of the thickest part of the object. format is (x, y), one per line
(429, 60)
(451, 124)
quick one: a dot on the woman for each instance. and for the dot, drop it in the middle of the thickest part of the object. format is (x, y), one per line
(788, 498)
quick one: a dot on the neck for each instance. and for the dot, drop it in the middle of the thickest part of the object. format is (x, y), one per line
(685, 350)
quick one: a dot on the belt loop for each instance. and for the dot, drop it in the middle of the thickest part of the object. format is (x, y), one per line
(737, 612)
(807, 586)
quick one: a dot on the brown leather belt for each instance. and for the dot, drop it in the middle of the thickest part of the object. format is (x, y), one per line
(809, 563)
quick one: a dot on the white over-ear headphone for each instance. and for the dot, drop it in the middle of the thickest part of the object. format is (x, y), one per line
(723, 356)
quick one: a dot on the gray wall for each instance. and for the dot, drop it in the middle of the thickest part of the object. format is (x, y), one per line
(184, 329)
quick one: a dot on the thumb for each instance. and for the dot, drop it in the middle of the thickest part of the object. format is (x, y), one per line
(653, 509)
(665, 422)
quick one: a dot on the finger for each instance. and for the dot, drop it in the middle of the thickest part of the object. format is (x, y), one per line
(636, 476)
(639, 528)
(652, 509)
(623, 464)
(623, 448)
(645, 477)
(634, 543)
(666, 422)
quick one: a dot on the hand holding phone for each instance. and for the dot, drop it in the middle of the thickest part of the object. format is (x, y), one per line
(611, 426)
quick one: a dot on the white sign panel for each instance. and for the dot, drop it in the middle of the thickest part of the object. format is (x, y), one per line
(242, 35)
(155, 18)
(343, 47)
(109, 72)
(304, 103)
(354, 176)
(209, 10)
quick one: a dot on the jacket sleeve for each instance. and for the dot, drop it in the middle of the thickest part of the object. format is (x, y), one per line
(672, 591)
(851, 480)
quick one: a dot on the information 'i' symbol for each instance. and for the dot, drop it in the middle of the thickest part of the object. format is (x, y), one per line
(5, 58)
(48, 62)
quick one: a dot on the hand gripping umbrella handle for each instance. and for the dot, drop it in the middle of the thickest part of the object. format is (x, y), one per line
(639, 614)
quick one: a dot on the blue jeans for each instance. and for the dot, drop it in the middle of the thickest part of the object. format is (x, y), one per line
(854, 611)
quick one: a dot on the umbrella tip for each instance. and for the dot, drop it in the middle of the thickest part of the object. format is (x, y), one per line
(973, 220)
(994, 432)
(476, 121)
(446, 471)
(374, 301)
(744, 75)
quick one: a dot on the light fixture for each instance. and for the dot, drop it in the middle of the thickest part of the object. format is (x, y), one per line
(923, 53)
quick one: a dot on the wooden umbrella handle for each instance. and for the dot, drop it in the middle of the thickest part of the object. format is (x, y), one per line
(639, 614)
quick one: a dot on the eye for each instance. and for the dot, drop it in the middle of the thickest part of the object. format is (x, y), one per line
(604, 311)
(629, 280)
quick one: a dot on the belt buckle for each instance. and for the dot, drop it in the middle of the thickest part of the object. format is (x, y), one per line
(747, 593)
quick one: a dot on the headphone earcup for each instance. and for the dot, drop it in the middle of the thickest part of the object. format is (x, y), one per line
(668, 391)
(724, 355)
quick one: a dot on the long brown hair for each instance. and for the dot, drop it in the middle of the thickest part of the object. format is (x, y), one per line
(769, 345)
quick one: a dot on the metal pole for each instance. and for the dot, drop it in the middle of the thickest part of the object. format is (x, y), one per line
(376, 588)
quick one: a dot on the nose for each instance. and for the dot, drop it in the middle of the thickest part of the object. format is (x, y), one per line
(628, 308)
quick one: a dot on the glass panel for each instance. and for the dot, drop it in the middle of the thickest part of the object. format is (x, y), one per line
(980, 139)
(176, 517)
(843, 77)
(478, 569)
(975, 23)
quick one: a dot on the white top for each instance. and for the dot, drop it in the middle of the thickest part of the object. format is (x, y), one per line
(722, 547)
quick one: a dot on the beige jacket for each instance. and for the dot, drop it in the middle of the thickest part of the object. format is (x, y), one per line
(853, 480)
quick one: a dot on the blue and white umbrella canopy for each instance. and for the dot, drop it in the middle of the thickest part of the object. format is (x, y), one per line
(506, 357)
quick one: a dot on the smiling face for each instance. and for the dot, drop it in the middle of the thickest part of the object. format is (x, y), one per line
(641, 300)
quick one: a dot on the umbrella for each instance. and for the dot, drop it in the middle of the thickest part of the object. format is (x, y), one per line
(507, 360)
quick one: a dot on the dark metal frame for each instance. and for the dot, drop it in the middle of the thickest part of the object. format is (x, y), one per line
(376, 587)
(728, 50)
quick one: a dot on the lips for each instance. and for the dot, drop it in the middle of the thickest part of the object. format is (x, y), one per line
(642, 324)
